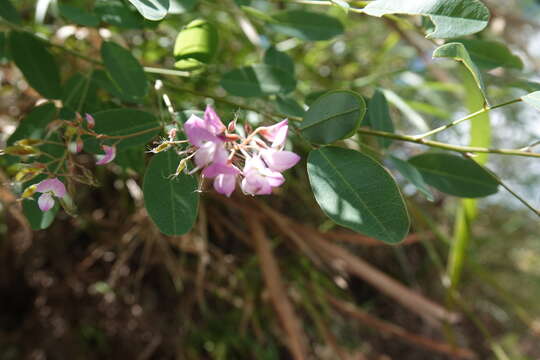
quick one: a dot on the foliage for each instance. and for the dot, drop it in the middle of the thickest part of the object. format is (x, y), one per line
(116, 78)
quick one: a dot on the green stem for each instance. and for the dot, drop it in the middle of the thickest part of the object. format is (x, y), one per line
(468, 117)
(445, 146)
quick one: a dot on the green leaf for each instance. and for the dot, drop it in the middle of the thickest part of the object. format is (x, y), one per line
(154, 10)
(306, 25)
(118, 14)
(5, 55)
(78, 16)
(121, 122)
(258, 80)
(289, 107)
(455, 175)
(34, 125)
(36, 63)
(38, 219)
(458, 52)
(451, 18)
(181, 6)
(126, 72)
(172, 203)
(379, 116)
(334, 116)
(8, 12)
(80, 94)
(357, 192)
(532, 99)
(196, 45)
(410, 173)
(279, 59)
(491, 54)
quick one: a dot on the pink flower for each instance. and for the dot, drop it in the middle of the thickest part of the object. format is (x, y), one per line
(90, 121)
(213, 122)
(49, 188)
(110, 154)
(203, 136)
(259, 179)
(224, 177)
(279, 160)
(211, 152)
(276, 133)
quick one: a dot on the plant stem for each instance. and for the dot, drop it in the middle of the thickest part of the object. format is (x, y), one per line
(445, 146)
(468, 117)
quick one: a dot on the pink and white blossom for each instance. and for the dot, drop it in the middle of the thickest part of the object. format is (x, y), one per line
(276, 133)
(220, 151)
(279, 160)
(90, 121)
(259, 179)
(110, 154)
(49, 189)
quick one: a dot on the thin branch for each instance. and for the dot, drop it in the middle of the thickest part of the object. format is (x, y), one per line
(445, 146)
(465, 118)
(277, 291)
(388, 328)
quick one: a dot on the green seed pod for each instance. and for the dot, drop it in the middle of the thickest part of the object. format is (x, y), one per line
(195, 45)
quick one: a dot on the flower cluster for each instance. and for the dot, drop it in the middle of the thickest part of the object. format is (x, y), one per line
(52, 187)
(256, 159)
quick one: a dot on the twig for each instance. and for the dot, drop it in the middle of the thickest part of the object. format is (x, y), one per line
(395, 330)
(417, 303)
(277, 291)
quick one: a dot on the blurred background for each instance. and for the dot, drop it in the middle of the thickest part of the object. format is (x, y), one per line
(106, 284)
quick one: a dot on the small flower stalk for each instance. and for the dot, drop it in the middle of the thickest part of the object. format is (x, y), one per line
(255, 161)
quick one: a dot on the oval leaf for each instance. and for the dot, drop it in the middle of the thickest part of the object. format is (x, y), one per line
(36, 63)
(379, 116)
(357, 192)
(458, 52)
(152, 9)
(306, 25)
(8, 12)
(532, 99)
(279, 59)
(34, 125)
(491, 54)
(455, 175)
(451, 18)
(171, 202)
(121, 122)
(410, 173)
(78, 15)
(117, 14)
(126, 72)
(258, 80)
(334, 116)
(38, 219)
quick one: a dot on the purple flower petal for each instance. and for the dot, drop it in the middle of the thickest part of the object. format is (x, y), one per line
(279, 160)
(197, 132)
(276, 133)
(53, 186)
(217, 169)
(213, 122)
(225, 184)
(45, 202)
(90, 121)
(110, 154)
(210, 152)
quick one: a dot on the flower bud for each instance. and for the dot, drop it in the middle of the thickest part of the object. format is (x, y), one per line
(21, 150)
(29, 191)
(161, 147)
(27, 174)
